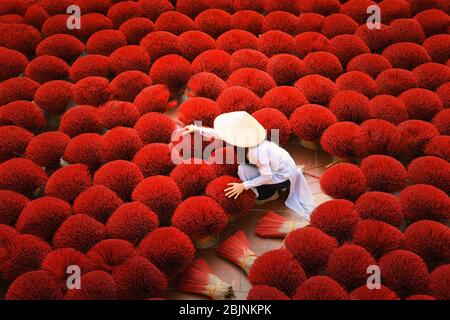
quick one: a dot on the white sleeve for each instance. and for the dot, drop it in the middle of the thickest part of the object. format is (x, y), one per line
(265, 171)
(208, 132)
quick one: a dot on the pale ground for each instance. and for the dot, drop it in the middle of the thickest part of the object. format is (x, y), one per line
(314, 163)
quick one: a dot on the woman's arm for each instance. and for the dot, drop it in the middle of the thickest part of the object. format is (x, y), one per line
(208, 132)
(265, 177)
(260, 156)
(204, 131)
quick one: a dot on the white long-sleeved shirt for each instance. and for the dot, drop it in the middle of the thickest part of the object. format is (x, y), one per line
(275, 165)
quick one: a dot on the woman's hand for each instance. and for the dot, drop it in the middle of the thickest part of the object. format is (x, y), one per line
(190, 129)
(235, 190)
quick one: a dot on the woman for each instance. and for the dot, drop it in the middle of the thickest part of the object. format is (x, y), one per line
(270, 168)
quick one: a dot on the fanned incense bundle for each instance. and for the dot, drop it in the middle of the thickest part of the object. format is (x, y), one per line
(237, 250)
(273, 225)
(200, 278)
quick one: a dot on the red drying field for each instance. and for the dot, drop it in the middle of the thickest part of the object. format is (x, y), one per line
(87, 178)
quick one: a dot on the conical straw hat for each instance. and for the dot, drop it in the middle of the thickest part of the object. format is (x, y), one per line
(239, 129)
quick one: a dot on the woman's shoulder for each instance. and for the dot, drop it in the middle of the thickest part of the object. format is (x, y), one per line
(262, 145)
(269, 145)
(265, 146)
(272, 149)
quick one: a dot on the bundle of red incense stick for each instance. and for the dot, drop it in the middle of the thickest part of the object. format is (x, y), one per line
(199, 278)
(273, 225)
(237, 250)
